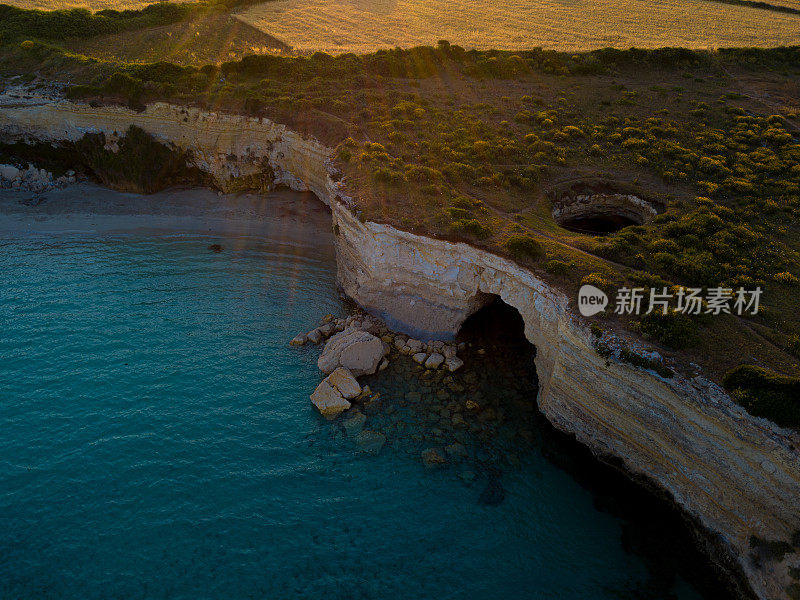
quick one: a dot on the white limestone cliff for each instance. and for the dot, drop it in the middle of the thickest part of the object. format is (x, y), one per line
(733, 475)
(227, 147)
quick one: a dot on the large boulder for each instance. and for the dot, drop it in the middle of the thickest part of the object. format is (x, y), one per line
(434, 360)
(343, 380)
(329, 400)
(358, 351)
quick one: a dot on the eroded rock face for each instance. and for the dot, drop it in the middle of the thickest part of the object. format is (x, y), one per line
(233, 149)
(626, 207)
(358, 351)
(734, 475)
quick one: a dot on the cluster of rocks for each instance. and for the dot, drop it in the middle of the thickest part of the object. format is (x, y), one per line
(360, 345)
(33, 179)
(351, 350)
(475, 421)
(432, 354)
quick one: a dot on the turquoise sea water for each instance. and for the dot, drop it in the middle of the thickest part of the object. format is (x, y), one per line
(157, 441)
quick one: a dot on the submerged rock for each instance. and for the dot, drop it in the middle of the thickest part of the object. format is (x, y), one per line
(354, 422)
(432, 458)
(329, 400)
(358, 351)
(467, 476)
(370, 442)
(457, 450)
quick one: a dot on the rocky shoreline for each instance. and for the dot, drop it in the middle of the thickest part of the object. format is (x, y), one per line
(736, 477)
(34, 180)
(443, 417)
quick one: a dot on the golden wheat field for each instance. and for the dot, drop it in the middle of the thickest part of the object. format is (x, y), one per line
(337, 26)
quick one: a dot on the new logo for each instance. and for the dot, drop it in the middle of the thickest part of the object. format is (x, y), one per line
(591, 300)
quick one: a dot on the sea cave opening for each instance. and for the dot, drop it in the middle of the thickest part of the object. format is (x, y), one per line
(498, 328)
(651, 527)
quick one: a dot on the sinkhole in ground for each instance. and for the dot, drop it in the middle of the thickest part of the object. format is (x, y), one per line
(599, 208)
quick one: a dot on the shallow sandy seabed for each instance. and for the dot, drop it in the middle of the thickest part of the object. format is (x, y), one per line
(283, 215)
(338, 26)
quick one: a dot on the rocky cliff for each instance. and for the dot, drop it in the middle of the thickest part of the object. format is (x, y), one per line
(733, 475)
(230, 148)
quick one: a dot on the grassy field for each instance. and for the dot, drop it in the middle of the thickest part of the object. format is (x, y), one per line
(337, 26)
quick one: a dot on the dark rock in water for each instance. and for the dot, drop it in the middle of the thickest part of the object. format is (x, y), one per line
(493, 494)
(215, 248)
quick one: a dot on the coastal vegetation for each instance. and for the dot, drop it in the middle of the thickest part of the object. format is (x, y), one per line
(474, 146)
(16, 23)
(766, 394)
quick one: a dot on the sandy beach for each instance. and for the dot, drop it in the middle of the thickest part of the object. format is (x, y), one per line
(85, 208)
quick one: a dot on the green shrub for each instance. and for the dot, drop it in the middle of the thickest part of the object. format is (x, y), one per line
(459, 171)
(17, 23)
(473, 227)
(558, 267)
(458, 214)
(523, 246)
(765, 393)
(389, 175)
(422, 174)
(598, 280)
(673, 329)
(140, 165)
(787, 279)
